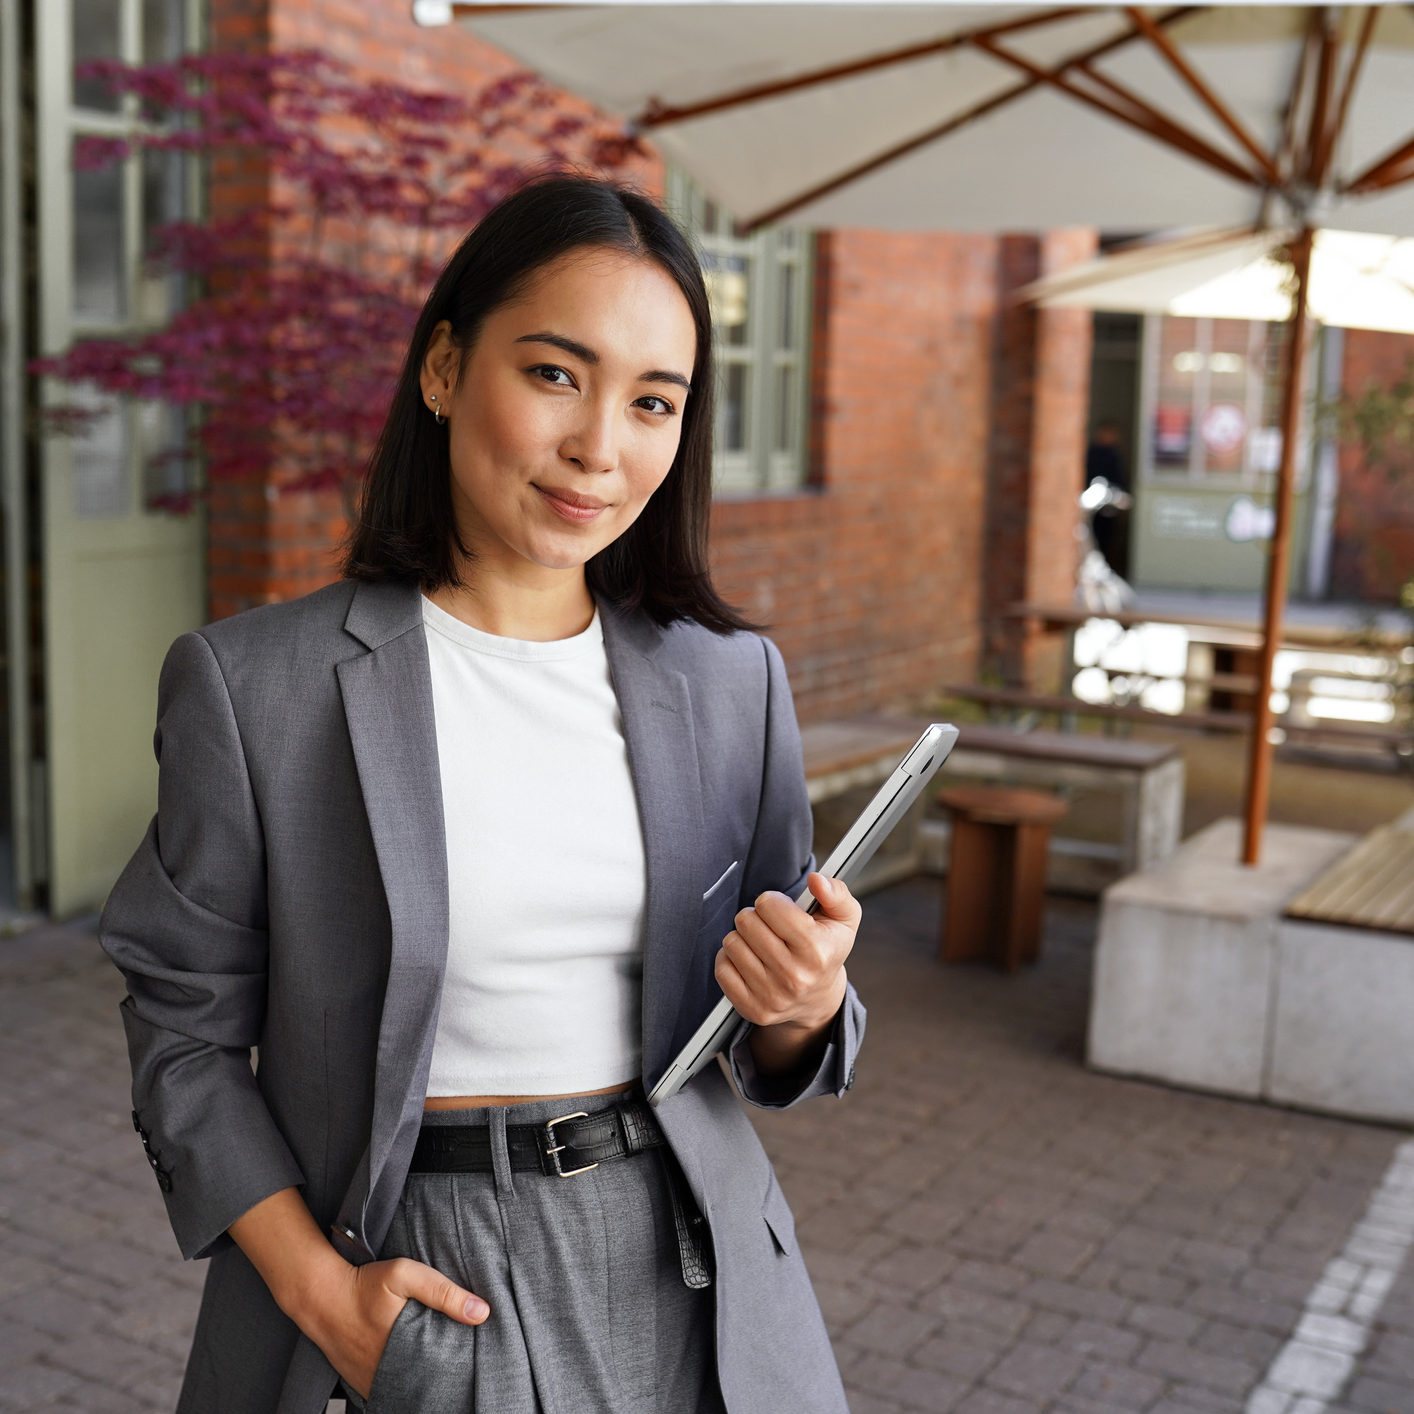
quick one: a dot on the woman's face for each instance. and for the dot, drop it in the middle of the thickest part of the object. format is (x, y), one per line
(567, 414)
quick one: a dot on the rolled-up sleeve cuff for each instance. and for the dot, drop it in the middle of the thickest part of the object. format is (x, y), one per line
(832, 1076)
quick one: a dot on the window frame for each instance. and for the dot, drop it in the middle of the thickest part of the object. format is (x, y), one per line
(134, 419)
(762, 466)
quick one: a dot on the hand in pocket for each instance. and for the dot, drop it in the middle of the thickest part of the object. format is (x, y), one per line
(355, 1330)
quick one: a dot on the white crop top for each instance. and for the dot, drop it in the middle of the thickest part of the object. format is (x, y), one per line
(545, 866)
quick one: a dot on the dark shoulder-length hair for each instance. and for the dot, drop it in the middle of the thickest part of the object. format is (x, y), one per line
(405, 528)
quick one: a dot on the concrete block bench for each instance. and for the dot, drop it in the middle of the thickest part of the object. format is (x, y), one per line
(1215, 976)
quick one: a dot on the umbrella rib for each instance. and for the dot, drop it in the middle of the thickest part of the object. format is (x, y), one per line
(1286, 148)
(998, 100)
(1185, 70)
(656, 113)
(1146, 119)
(1352, 75)
(882, 159)
(1167, 129)
(1325, 78)
(1383, 173)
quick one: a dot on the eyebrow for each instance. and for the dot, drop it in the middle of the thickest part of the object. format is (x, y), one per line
(587, 355)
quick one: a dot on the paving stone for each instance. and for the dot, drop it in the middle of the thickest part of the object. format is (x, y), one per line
(1099, 1341)
(990, 1401)
(960, 1352)
(1145, 1284)
(30, 1385)
(891, 1330)
(1055, 1254)
(1037, 1372)
(997, 1278)
(914, 1388)
(1048, 1328)
(1075, 1300)
(1242, 1342)
(1372, 1395)
(1167, 1321)
(977, 1308)
(1073, 1404)
(840, 1305)
(1184, 1362)
(95, 1397)
(1117, 1384)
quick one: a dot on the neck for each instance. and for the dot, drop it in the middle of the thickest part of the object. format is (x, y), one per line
(538, 612)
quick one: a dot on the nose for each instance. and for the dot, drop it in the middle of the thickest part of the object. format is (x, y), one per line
(592, 442)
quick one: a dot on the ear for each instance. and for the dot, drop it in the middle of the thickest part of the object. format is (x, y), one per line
(439, 367)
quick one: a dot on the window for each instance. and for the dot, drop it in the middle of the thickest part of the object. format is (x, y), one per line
(760, 289)
(1214, 389)
(114, 210)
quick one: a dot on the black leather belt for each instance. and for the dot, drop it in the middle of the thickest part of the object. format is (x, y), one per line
(573, 1143)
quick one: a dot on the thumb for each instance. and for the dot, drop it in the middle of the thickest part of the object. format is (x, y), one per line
(439, 1293)
(835, 899)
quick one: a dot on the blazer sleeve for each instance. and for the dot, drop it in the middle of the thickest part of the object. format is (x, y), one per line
(186, 925)
(780, 858)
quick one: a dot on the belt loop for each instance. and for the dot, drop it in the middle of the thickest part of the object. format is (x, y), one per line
(501, 1155)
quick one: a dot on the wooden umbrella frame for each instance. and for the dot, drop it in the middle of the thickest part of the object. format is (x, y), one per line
(1298, 171)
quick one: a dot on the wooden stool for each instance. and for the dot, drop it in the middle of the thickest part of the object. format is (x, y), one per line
(997, 874)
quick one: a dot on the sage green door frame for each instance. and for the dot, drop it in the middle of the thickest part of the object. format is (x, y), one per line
(118, 581)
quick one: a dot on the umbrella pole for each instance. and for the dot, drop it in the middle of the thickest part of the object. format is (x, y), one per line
(1259, 760)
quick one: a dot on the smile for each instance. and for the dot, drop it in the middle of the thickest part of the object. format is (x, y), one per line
(579, 510)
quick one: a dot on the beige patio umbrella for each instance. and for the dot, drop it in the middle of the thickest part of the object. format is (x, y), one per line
(999, 117)
(1357, 281)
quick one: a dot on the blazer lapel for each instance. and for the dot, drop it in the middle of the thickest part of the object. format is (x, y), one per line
(387, 695)
(662, 754)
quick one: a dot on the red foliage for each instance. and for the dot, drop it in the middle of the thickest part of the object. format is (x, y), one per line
(292, 346)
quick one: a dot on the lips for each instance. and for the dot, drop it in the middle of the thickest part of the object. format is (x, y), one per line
(571, 506)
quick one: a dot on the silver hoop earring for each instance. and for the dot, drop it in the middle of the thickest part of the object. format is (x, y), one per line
(437, 412)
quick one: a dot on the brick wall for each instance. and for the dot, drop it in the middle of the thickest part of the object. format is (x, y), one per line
(1041, 391)
(870, 581)
(1373, 551)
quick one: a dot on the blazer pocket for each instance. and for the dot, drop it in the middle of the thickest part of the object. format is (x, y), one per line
(726, 874)
(778, 1217)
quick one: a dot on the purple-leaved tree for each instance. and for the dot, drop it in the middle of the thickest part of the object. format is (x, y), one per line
(299, 308)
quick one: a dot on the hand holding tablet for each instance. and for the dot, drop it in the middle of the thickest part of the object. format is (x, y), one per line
(918, 766)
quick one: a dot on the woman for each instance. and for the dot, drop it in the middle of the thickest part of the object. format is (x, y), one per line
(468, 843)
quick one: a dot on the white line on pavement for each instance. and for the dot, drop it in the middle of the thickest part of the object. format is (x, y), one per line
(1313, 1366)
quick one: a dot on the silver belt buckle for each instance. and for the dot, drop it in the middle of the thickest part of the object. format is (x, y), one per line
(554, 1150)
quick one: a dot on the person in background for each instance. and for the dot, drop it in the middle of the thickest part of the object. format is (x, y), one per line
(1104, 459)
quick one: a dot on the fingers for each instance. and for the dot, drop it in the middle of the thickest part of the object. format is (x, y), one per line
(427, 1285)
(835, 899)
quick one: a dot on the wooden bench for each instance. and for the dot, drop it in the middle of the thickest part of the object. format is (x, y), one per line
(1371, 887)
(1379, 742)
(845, 761)
(846, 758)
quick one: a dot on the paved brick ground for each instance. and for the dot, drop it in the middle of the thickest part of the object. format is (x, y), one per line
(992, 1229)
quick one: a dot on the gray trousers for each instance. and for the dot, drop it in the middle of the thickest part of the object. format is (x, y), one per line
(589, 1312)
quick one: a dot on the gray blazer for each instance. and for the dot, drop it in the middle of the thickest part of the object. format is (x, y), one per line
(290, 897)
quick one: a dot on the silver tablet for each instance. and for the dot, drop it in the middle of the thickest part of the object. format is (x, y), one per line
(853, 852)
